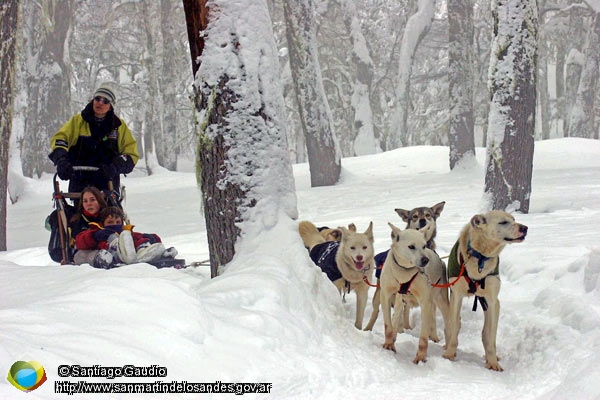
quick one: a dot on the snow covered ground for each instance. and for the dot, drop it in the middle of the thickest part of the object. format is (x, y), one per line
(272, 317)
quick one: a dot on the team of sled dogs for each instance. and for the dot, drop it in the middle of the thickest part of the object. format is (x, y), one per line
(413, 275)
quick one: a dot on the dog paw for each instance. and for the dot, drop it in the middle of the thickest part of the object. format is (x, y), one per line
(420, 358)
(449, 356)
(494, 366)
(389, 346)
(434, 339)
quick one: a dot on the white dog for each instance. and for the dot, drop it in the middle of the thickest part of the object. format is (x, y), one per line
(473, 270)
(403, 272)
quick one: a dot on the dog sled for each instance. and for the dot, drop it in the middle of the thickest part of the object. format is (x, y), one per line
(61, 246)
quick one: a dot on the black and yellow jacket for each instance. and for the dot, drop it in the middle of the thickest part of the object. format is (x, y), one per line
(91, 142)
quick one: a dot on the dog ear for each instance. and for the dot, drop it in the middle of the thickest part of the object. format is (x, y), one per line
(437, 209)
(403, 214)
(333, 235)
(395, 232)
(352, 227)
(369, 231)
(478, 220)
(343, 232)
(336, 234)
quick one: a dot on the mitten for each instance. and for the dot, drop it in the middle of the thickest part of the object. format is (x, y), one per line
(114, 228)
(110, 170)
(64, 168)
(102, 235)
(123, 164)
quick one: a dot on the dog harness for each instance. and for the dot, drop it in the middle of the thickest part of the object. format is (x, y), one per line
(454, 268)
(323, 255)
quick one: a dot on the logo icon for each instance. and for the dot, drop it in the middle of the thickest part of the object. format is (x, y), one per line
(26, 375)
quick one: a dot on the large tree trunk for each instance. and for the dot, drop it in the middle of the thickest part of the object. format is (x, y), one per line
(581, 120)
(8, 37)
(461, 138)
(512, 114)
(315, 115)
(243, 166)
(416, 28)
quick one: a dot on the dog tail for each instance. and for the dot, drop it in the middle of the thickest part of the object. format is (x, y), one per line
(310, 234)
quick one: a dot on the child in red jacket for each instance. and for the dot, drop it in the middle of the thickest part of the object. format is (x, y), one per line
(124, 245)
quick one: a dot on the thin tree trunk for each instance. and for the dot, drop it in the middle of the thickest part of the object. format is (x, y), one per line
(364, 142)
(315, 115)
(461, 138)
(8, 35)
(581, 121)
(416, 28)
(166, 151)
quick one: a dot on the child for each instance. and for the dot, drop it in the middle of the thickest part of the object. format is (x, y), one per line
(123, 245)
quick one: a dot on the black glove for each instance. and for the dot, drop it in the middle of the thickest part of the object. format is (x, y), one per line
(102, 235)
(110, 170)
(114, 228)
(64, 168)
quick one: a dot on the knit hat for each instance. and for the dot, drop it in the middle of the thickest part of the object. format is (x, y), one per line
(106, 92)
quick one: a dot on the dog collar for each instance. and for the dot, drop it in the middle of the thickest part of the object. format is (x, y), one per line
(400, 265)
(481, 259)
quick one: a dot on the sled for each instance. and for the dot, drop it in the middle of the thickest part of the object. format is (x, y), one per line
(60, 245)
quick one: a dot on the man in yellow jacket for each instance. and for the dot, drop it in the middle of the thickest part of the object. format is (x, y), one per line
(95, 137)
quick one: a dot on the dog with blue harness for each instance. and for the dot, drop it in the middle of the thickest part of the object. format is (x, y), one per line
(348, 263)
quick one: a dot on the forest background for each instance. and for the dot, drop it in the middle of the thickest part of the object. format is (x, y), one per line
(67, 48)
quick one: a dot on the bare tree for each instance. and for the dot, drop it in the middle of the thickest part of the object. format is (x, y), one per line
(364, 142)
(512, 112)
(581, 118)
(416, 28)
(47, 77)
(461, 137)
(8, 35)
(315, 115)
(166, 149)
(243, 166)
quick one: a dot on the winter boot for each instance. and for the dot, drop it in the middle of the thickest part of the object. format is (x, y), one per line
(171, 252)
(148, 252)
(126, 248)
(103, 260)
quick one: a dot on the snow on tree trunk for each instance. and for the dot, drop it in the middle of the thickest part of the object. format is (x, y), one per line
(581, 119)
(461, 139)
(511, 129)
(364, 143)
(315, 115)
(47, 79)
(416, 28)
(575, 61)
(8, 37)
(152, 128)
(243, 166)
(545, 114)
(166, 152)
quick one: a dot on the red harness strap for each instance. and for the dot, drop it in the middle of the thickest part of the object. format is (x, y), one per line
(405, 287)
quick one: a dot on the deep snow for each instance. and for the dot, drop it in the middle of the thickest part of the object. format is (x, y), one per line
(273, 317)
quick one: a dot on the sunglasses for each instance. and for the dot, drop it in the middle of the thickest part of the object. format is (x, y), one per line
(102, 99)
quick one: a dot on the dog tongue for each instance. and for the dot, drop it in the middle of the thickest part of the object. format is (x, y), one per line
(359, 264)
